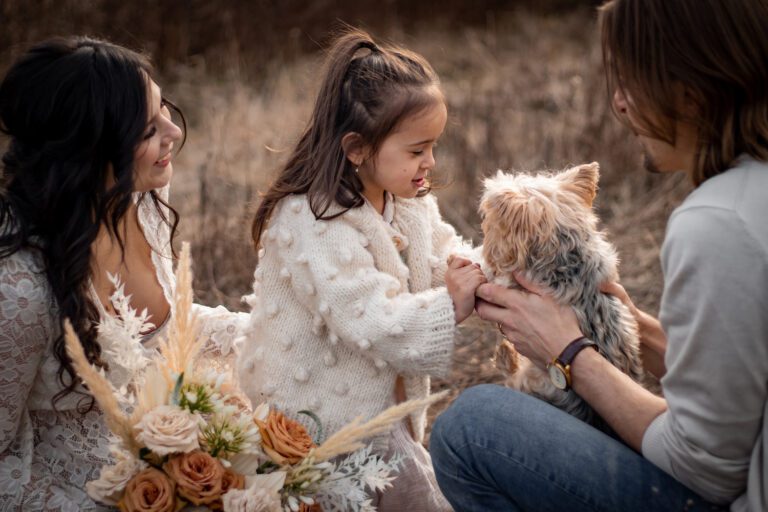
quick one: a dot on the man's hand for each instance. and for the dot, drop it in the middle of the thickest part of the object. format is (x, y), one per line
(653, 340)
(530, 318)
(462, 279)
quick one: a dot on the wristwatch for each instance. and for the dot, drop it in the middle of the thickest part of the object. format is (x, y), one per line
(560, 367)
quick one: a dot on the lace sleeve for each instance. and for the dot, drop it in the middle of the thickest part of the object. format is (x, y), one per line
(26, 329)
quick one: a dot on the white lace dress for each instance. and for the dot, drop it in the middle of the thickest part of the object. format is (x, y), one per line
(47, 455)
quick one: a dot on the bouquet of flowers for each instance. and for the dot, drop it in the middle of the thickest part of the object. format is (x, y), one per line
(184, 435)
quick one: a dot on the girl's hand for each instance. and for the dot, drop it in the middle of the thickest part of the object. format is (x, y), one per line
(462, 279)
(530, 318)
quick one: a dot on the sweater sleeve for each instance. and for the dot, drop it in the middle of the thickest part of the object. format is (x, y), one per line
(445, 241)
(334, 276)
(714, 314)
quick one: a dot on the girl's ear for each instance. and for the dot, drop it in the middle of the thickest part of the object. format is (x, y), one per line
(354, 149)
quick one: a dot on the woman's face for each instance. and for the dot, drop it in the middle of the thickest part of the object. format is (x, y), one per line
(152, 161)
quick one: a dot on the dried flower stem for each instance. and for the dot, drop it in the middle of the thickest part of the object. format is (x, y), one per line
(100, 388)
(350, 437)
(181, 344)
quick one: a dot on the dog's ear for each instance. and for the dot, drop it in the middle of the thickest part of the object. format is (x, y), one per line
(582, 180)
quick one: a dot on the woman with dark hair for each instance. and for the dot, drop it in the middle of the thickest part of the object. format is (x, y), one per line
(83, 199)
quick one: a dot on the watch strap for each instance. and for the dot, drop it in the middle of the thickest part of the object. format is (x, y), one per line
(569, 352)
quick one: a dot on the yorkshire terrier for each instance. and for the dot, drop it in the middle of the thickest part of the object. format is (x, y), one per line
(543, 226)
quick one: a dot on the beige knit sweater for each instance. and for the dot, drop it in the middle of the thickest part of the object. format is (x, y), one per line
(339, 312)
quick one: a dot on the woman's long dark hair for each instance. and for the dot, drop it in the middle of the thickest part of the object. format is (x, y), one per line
(366, 89)
(74, 109)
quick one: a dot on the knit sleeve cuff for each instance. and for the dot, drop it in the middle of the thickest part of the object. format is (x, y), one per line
(434, 354)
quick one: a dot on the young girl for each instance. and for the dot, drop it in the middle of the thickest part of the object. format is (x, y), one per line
(84, 188)
(351, 309)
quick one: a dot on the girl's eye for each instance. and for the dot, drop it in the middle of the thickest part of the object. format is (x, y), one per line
(150, 133)
(418, 152)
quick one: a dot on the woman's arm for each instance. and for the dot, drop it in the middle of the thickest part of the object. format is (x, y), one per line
(25, 332)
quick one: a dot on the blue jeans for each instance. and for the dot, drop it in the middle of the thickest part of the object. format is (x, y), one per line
(497, 449)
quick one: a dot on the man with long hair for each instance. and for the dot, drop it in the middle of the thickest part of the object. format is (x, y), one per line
(689, 79)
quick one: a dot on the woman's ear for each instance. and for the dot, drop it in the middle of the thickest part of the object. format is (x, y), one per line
(354, 149)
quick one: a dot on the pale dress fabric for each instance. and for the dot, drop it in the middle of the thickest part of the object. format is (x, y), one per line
(47, 455)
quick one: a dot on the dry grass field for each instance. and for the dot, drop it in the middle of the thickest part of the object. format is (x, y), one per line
(524, 87)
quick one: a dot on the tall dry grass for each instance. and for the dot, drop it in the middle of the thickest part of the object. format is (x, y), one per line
(524, 87)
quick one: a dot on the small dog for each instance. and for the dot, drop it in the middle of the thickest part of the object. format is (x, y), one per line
(543, 226)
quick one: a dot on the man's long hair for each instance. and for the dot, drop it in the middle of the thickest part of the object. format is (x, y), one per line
(714, 53)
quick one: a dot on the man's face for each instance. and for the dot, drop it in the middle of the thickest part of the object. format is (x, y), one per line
(658, 155)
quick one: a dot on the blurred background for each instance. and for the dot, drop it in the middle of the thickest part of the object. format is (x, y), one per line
(525, 91)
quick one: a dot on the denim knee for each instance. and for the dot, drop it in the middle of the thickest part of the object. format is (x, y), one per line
(463, 414)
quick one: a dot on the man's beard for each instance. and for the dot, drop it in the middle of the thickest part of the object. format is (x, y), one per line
(649, 163)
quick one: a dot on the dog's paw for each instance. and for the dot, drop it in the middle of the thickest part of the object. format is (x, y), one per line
(506, 357)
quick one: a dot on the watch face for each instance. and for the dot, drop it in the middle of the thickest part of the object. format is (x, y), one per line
(557, 376)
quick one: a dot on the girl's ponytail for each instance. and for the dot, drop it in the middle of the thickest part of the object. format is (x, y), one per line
(366, 89)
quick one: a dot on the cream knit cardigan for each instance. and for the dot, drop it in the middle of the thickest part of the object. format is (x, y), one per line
(338, 313)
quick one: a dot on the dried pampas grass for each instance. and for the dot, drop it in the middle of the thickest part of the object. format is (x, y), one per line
(182, 343)
(350, 438)
(100, 388)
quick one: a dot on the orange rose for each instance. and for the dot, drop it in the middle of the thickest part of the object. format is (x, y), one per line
(229, 481)
(198, 476)
(149, 491)
(284, 440)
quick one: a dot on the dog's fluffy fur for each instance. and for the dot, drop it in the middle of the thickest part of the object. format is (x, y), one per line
(543, 225)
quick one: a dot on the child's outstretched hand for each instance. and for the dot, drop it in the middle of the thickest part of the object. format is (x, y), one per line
(462, 279)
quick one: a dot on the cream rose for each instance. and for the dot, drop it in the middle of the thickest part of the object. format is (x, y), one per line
(108, 489)
(262, 494)
(198, 476)
(286, 441)
(168, 429)
(149, 491)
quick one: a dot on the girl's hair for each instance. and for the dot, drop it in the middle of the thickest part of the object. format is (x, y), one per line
(74, 108)
(367, 89)
(716, 50)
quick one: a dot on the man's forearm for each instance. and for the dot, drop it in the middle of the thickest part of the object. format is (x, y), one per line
(627, 407)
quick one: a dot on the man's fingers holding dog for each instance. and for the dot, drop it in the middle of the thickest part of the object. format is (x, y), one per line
(490, 312)
(528, 285)
(497, 294)
(618, 291)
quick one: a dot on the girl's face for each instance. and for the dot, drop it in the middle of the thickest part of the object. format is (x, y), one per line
(152, 161)
(405, 157)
